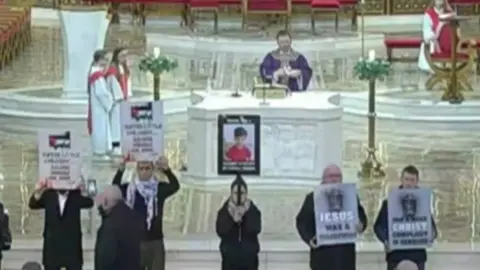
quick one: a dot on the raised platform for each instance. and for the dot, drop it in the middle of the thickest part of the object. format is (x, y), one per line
(424, 120)
(29, 109)
(275, 255)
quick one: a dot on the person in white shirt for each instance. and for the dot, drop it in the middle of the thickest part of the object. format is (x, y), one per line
(100, 104)
(62, 234)
(120, 86)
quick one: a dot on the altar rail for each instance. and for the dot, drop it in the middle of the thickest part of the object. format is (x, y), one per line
(373, 7)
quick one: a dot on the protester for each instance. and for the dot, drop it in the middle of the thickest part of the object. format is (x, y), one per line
(32, 266)
(118, 238)
(331, 257)
(409, 179)
(238, 225)
(62, 233)
(5, 233)
(146, 196)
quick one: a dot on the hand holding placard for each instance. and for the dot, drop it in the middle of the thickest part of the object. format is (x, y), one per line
(40, 187)
(359, 227)
(162, 163)
(313, 243)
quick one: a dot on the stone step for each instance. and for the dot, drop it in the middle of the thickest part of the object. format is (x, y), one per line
(279, 255)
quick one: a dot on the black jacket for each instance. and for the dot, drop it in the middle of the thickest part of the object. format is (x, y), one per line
(165, 190)
(381, 231)
(118, 240)
(5, 233)
(239, 246)
(334, 257)
(62, 233)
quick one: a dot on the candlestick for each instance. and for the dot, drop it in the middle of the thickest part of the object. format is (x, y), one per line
(371, 55)
(156, 52)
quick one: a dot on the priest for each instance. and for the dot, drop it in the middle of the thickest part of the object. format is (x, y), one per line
(286, 66)
(238, 225)
(100, 103)
(120, 85)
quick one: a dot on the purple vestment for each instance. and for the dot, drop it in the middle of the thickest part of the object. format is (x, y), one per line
(277, 59)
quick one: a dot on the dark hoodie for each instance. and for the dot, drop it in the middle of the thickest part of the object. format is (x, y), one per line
(239, 245)
(394, 257)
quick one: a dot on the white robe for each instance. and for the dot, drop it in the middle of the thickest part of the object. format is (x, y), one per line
(431, 37)
(117, 94)
(101, 102)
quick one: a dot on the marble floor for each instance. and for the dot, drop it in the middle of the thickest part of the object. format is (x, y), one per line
(454, 176)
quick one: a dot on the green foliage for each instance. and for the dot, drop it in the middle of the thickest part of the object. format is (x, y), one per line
(377, 69)
(157, 65)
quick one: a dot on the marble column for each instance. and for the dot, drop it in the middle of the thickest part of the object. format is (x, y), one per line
(84, 29)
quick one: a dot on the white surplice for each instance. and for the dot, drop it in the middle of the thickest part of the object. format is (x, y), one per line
(117, 93)
(430, 36)
(101, 103)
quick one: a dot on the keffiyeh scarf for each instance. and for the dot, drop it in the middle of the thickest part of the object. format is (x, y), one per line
(148, 191)
(232, 207)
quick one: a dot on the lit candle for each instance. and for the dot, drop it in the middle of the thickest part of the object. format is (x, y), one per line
(371, 55)
(156, 52)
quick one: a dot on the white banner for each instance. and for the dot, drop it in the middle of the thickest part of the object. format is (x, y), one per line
(60, 158)
(142, 129)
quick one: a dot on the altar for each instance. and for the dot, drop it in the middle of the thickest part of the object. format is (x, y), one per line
(299, 136)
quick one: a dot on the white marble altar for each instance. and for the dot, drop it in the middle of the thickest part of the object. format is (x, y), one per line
(83, 32)
(300, 135)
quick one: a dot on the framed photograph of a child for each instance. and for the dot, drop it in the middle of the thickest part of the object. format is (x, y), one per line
(239, 144)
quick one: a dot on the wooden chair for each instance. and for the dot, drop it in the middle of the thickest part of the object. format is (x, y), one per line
(353, 6)
(466, 55)
(210, 6)
(266, 7)
(322, 6)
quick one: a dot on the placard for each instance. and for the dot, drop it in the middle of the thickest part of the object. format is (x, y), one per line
(142, 125)
(336, 213)
(409, 218)
(239, 144)
(60, 158)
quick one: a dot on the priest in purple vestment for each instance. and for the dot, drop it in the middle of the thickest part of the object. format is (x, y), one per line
(286, 66)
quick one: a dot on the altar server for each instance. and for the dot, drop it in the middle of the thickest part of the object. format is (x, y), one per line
(437, 35)
(120, 85)
(100, 102)
(331, 257)
(146, 195)
(409, 179)
(238, 225)
(62, 233)
(286, 66)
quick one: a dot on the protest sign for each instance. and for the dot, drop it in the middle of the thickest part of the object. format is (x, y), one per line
(142, 125)
(59, 158)
(409, 218)
(336, 213)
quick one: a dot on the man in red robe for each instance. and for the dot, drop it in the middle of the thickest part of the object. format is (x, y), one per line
(437, 34)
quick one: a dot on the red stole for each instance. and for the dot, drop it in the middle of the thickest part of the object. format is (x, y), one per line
(92, 78)
(444, 41)
(122, 80)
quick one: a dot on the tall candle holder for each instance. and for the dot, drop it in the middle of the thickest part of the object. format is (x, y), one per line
(371, 70)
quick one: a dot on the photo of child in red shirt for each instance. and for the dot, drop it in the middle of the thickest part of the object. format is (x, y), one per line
(239, 152)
